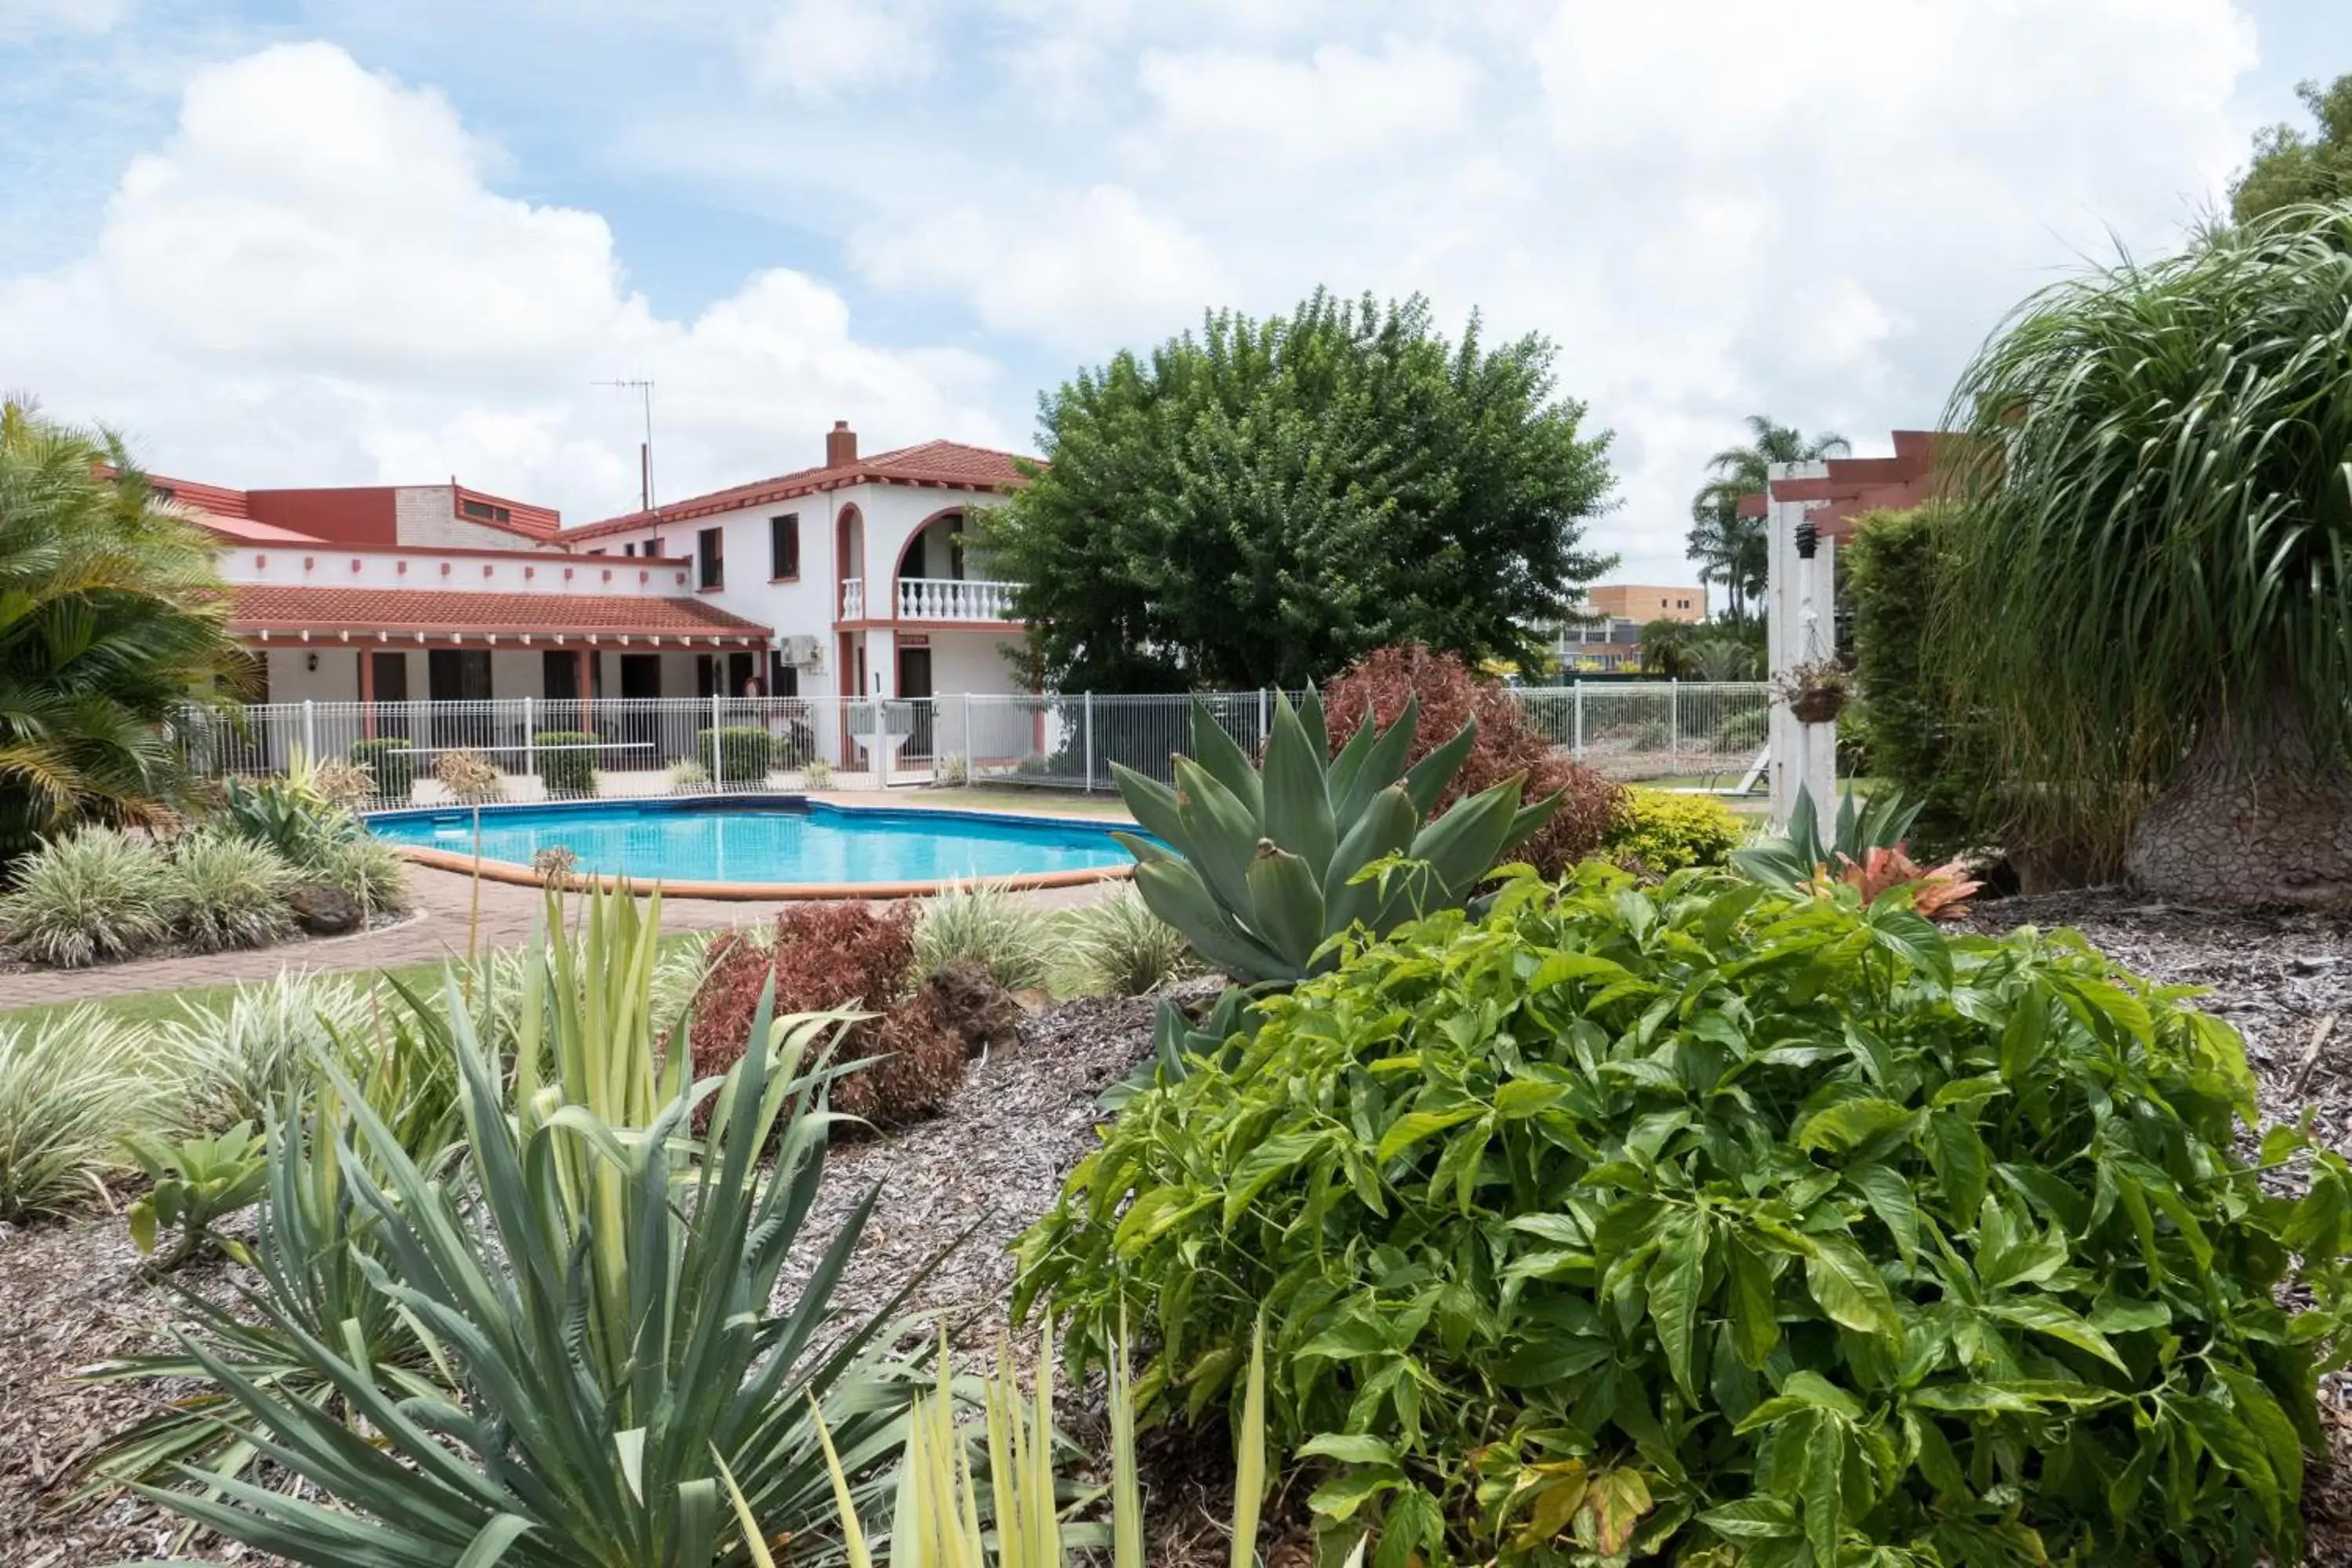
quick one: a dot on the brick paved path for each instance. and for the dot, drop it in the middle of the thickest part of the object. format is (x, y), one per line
(443, 899)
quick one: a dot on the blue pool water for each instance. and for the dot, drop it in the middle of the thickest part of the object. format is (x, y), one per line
(766, 843)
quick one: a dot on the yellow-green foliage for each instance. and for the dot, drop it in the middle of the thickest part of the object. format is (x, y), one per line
(1661, 833)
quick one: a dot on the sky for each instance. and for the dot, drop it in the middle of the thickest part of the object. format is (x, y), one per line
(289, 242)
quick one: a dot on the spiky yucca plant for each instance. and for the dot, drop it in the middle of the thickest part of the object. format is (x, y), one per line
(2155, 560)
(605, 1286)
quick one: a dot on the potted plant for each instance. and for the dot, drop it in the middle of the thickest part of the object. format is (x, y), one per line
(1816, 691)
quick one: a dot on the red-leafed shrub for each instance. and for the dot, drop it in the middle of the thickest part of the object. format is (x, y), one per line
(827, 956)
(1386, 678)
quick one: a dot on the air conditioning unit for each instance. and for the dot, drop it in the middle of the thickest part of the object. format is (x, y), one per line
(804, 652)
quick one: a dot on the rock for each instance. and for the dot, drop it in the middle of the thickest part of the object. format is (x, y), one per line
(322, 910)
(971, 1005)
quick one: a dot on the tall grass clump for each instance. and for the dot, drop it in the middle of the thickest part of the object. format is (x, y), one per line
(70, 1086)
(983, 922)
(1117, 947)
(98, 895)
(242, 1059)
(365, 867)
(229, 892)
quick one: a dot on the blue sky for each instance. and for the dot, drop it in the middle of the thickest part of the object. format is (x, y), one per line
(352, 240)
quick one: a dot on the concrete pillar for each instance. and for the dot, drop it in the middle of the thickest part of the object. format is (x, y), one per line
(1801, 596)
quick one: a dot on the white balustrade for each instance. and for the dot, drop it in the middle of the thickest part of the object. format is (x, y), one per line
(852, 599)
(955, 599)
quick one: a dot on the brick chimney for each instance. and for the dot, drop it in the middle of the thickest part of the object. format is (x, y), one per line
(840, 445)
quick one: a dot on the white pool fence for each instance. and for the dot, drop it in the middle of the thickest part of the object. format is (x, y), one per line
(1704, 735)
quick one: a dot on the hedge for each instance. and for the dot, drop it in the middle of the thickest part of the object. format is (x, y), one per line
(565, 764)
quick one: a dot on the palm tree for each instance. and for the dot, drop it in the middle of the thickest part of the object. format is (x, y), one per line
(1731, 549)
(111, 623)
(2154, 561)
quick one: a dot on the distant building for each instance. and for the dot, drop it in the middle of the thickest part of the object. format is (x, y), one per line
(1604, 633)
(1644, 603)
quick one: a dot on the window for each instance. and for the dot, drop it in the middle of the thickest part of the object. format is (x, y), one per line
(653, 545)
(784, 546)
(483, 511)
(630, 548)
(710, 567)
(598, 551)
(559, 677)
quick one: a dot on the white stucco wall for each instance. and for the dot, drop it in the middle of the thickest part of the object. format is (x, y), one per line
(455, 570)
(887, 515)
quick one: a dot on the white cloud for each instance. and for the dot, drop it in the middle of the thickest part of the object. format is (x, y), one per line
(311, 282)
(1096, 266)
(822, 48)
(23, 20)
(1337, 103)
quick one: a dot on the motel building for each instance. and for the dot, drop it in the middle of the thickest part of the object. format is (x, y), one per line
(848, 587)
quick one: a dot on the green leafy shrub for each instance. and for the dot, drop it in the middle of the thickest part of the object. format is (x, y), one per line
(1716, 1223)
(391, 760)
(1881, 820)
(198, 1182)
(70, 1086)
(98, 895)
(1116, 947)
(566, 765)
(610, 1288)
(228, 892)
(746, 753)
(983, 922)
(1659, 832)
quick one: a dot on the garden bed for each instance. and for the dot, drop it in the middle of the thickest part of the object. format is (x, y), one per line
(994, 1158)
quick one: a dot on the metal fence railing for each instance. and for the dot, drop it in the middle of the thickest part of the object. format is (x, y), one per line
(1701, 733)
(556, 749)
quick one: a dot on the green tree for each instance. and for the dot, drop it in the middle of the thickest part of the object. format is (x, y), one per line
(1262, 503)
(1733, 549)
(2289, 168)
(111, 622)
(1666, 648)
(2147, 594)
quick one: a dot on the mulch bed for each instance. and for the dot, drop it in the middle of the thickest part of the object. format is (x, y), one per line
(995, 1160)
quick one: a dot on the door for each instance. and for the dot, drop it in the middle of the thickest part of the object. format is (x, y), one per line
(641, 727)
(460, 675)
(388, 681)
(915, 689)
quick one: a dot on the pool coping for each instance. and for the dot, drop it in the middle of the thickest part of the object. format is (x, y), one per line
(509, 872)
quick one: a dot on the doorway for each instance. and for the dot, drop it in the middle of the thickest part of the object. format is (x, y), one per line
(915, 689)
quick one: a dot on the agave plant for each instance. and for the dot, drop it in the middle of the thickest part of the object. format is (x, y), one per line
(1261, 871)
(607, 1290)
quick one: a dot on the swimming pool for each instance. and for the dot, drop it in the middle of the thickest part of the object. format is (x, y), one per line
(765, 847)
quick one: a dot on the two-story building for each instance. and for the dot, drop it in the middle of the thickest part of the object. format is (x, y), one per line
(851, 578)
(864, 565)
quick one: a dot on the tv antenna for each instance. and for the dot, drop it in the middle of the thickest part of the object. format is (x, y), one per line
(644, 389)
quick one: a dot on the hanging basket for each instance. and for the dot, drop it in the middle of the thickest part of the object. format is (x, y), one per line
(1818, 704)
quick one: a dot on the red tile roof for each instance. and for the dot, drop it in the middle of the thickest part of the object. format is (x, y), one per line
(245, 530)
(950, 464)
(259, 608)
